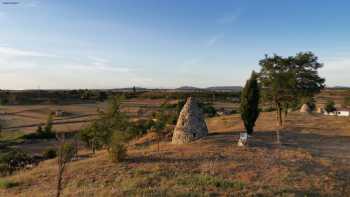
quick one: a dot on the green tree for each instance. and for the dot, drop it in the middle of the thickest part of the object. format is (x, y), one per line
(180, 105)
(347, 101)
(250, 103)
(159, 125)
(287, 80)
(117, 148)
(39, 130)
(111, 123)
(102, 96)
(85, 94)
(48, 126)
(330, 106)
(0, 130)
(92, 136)
(66, 152)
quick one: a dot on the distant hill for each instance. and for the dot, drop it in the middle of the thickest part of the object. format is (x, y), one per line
(225, 88)
(213, 88)
(130, 89)
(188, 88)
(340, 87)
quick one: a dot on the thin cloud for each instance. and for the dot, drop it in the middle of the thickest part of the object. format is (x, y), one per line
(29, 4)
(336, 69)
(192, 61)
(105, 64)
(94, 67)
(337, 64)
(15, 58)
(214, 39)
(33, 4)
(228, 18)
(8, 51)
(97, 61)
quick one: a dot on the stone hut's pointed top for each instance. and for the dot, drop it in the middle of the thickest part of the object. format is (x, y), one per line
(190, 125)
(305, 109)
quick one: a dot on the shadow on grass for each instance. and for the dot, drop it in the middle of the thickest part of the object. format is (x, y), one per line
(328, 146)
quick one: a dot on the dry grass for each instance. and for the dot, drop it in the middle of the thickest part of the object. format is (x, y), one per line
(314, 161)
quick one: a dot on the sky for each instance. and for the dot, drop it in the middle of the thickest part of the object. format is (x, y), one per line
(64, 44)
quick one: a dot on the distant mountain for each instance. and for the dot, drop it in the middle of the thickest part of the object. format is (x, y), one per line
(225, 88)
(188, 88)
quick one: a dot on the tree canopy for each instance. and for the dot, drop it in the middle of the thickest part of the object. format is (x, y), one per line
(288, 80)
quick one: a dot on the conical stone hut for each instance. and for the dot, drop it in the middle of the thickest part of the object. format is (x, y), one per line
(305, 109)
(190, 125)
(320, 110)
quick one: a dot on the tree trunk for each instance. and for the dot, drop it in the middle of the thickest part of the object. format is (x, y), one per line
(61, 166)
(280, 122)
(93, 146)
(59, 182)
(158, 142)
(286, 111)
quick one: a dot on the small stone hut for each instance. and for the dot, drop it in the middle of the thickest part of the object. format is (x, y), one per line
(191, 124)
(320, 110)
(305, 109)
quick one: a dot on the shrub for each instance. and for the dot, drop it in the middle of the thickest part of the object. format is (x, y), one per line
(13, 160)
(330, 106)
(66, 152)
(6, 184)
(93, 137)
(207, 109)
(100, 133)
(142, 126)
(347, 101)
(42, 135)
(48, 126)
(39, 130)
(234, 111)
(50, 153)
(117, 152)
(202, 180)
(117, 149)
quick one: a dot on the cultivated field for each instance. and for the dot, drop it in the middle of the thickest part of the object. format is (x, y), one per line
(27, 118)
(313, 161)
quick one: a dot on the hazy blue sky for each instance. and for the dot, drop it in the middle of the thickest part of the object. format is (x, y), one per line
(164, 43)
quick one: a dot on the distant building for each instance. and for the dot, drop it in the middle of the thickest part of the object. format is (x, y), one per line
(320, 110)
(59, 113)
(344, 112)
(223, 112)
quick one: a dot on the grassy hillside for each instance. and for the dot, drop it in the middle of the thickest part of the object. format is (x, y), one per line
(314, 161)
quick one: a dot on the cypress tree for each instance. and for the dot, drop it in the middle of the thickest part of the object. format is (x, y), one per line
(250, 103)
